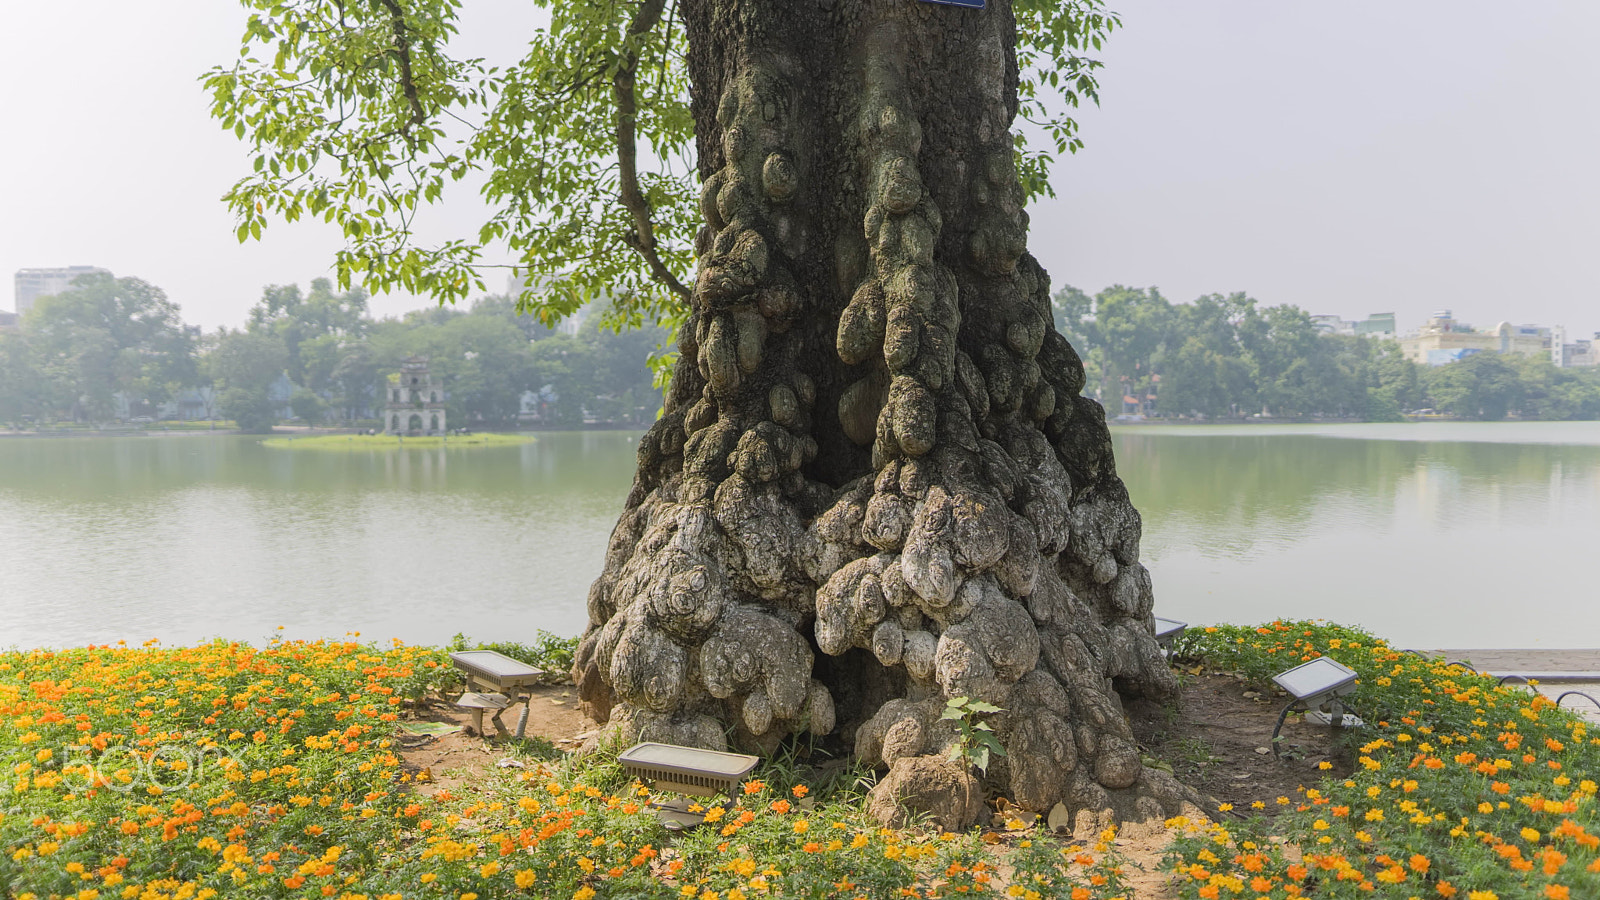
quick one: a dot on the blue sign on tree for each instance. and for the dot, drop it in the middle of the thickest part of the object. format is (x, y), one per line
(964, 4)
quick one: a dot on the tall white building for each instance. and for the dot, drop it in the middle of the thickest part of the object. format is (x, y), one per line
(35, 283)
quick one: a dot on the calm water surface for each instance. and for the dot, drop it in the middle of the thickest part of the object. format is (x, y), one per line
(1436, 534)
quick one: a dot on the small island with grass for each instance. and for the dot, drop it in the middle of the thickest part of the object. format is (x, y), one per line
(395, 441)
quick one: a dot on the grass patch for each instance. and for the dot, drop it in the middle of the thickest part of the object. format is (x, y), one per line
(369, 442)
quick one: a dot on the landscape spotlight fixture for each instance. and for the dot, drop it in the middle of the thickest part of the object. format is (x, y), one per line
(685, 770)
(1316, 687)
(1167, 630)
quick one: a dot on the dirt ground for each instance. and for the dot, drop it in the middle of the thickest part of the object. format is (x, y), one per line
(447, 760)
(1216, 738)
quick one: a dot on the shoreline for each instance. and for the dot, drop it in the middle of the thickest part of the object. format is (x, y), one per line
(280, 431)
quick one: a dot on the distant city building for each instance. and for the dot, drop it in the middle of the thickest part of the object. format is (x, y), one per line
(1376, 324)
(31, 284)
(1581, 353)
(1444, 339)
(413, 400)
(1332, 325)
(8, 321)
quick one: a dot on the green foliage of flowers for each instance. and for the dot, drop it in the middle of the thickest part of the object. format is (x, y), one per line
(220, 769)
(1462, 788)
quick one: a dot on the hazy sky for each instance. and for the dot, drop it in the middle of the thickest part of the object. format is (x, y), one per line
(1348, 158)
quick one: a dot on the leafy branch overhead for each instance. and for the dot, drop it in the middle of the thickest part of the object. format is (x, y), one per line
(356, 113)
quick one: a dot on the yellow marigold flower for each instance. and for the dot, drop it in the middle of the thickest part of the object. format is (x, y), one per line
(1531, 835)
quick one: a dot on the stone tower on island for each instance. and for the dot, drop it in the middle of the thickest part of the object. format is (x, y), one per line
(413, 400)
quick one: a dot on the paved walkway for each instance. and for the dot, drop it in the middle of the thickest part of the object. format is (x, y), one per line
(1526, 660)
(1547, 661)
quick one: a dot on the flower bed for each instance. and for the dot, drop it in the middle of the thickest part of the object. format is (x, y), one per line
(224, 770)
(1462, 788)
(228, 771)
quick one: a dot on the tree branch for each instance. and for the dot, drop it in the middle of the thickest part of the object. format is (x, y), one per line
(397, 21)
(643, 236)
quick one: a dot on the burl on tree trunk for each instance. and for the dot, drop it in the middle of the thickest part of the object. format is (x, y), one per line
(875, 485)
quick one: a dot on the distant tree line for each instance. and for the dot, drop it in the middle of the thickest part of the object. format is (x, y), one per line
(1226, 357)
(113, 348)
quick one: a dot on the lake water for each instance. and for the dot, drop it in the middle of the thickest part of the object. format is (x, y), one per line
(1432, 534)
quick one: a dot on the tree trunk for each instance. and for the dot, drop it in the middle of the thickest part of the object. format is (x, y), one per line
(875, 485)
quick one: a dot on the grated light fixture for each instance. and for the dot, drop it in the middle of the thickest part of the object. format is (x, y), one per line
(685, 770)
(1167, 630)
(1316, 687)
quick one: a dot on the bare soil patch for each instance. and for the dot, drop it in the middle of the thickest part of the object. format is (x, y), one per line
(1218, 739)
(449, 760)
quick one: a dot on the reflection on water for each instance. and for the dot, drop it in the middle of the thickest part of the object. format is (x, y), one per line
(1435, 535)
(188, 537)
(1468, 540)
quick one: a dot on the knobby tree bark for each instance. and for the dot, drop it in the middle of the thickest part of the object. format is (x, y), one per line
(875, 485)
